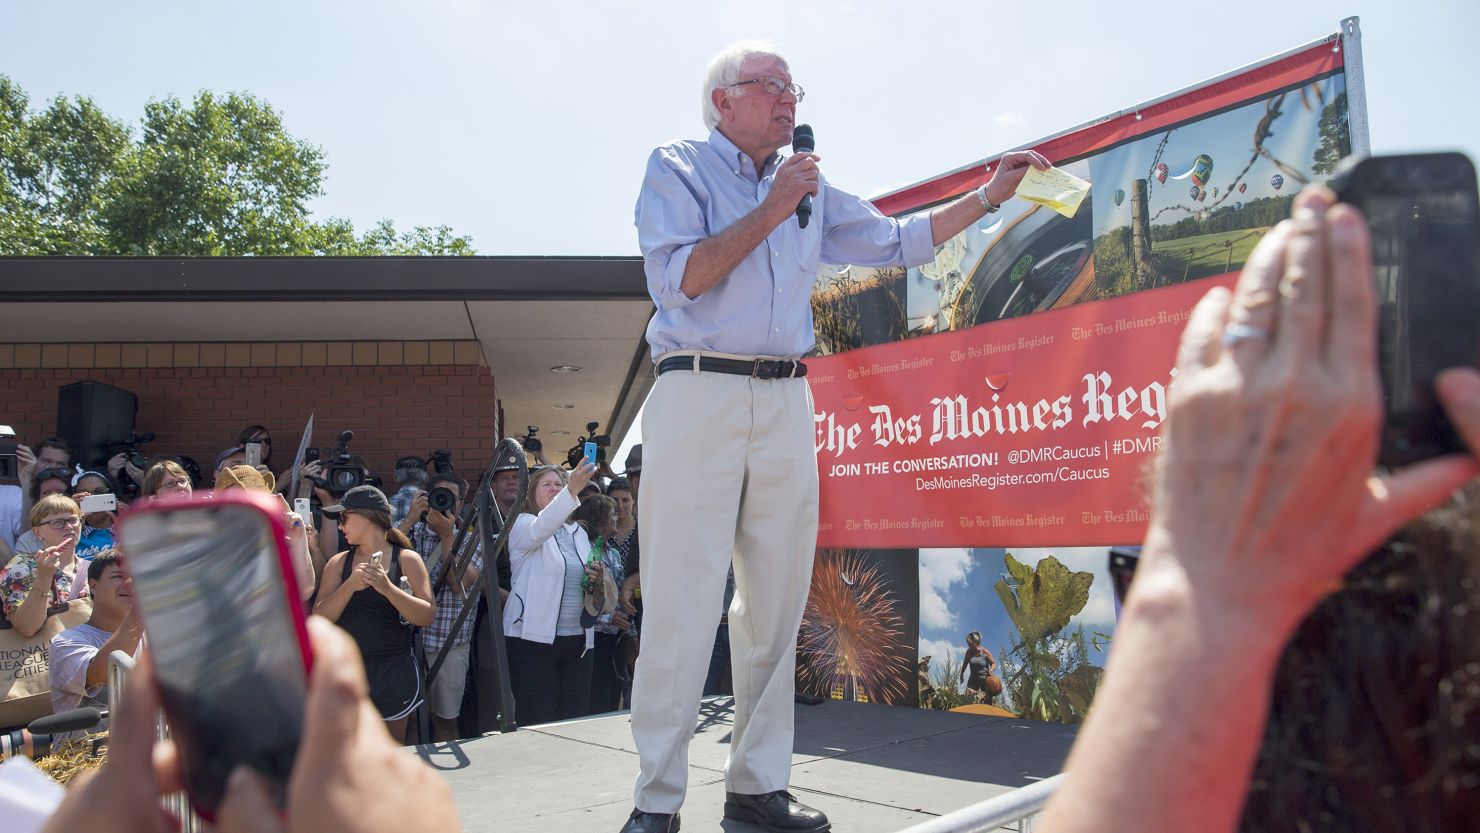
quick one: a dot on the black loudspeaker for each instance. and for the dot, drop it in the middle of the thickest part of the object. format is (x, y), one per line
(94, 417)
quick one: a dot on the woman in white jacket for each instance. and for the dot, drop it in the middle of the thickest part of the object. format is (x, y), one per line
(550, 658)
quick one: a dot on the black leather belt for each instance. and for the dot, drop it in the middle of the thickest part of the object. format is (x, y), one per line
(758, 368)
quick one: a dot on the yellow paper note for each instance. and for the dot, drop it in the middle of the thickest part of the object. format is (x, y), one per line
(1056, 188)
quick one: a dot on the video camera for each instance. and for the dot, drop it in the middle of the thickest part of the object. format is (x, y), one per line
(531, 443)
(578, 451)
(342, 471)
(8, 464)
(441, 460)
(130, 446)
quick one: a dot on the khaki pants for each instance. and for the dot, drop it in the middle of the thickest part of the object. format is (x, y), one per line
(729, 472)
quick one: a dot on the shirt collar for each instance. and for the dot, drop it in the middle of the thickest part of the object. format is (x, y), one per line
(736, 158)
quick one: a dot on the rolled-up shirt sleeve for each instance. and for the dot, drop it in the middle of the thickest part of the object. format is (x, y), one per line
(70, 656)
(670, 222)
(856, 233)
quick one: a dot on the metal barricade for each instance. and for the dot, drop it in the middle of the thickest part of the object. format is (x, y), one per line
(1013, 808)
(119, 666)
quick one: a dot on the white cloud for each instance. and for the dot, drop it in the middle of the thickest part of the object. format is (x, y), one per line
(938, 650)
(939, 569)
(1008, 118)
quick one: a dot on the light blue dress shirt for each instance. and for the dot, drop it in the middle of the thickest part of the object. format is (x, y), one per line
(694, 190)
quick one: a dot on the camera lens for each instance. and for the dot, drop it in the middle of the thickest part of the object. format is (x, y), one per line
(441, 499)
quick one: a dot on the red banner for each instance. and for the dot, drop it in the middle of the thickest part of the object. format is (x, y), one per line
(1010, 392)
(1031, 432)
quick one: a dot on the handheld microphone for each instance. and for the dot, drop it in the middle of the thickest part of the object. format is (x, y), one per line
(68, 721)
(802, 141)
(35, 741)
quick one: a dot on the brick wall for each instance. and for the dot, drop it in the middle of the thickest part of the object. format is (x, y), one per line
(391, 394)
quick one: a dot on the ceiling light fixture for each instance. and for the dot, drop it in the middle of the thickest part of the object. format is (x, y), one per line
(565, 368)
(563, 407)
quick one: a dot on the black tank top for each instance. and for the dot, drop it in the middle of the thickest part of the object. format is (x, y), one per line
(370, 617)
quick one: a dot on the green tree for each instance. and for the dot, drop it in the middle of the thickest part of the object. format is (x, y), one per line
(56, 172)
(220, 176)
(1336, 140)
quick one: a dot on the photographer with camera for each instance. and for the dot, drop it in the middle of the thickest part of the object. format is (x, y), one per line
(126, 467)
(433, 535)
(411, 477)
(535, 446)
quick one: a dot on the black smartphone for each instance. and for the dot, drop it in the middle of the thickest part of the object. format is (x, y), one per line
(1425, 225)
(214, 586)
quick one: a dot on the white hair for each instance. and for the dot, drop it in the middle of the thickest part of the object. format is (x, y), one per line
(724, 70)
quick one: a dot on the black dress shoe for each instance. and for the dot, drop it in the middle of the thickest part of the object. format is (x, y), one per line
(778, 812)
(640, 822)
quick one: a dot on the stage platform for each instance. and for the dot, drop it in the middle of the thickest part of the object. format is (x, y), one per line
(872, 769)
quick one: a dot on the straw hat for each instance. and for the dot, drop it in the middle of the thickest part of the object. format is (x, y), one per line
(245, 477)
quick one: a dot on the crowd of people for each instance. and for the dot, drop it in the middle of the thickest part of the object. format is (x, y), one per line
(1233, 699)
(361, 559)
(1282, 590)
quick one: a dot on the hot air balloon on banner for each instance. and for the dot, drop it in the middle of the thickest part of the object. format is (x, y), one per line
(1277, 181)
(1161, 172)
(1202, 170)
(1119, 196)
(1202, 196)
(1242, 187)
(1194, 192)
(1215, 192)
(1238, 206)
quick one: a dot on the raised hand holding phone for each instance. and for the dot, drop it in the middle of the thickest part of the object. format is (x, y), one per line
(1424, 220)
(214, 585)
(581, 475)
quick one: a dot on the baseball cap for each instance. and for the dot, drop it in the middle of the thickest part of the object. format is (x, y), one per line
(361, 497)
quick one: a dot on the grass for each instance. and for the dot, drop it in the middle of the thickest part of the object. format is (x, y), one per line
(1208, 254)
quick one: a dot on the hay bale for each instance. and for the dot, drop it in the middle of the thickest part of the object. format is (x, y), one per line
(74, 757)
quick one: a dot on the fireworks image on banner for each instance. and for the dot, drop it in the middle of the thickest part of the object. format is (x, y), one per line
(848, 646)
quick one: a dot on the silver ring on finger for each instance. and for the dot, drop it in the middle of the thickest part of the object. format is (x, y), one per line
(1236, 333)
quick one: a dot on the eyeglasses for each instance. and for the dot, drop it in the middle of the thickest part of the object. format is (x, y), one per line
(774, 86)
(60, 524)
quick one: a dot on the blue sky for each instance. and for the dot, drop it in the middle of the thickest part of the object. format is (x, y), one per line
(526, 125)
(957, 596)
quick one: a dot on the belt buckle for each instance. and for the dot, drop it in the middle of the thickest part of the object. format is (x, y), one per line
(766, 369)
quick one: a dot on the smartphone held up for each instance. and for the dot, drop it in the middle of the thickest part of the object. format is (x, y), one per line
(214, 587)
(1424, 220)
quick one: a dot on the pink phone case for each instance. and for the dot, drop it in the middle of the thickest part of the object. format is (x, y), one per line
(269, 509)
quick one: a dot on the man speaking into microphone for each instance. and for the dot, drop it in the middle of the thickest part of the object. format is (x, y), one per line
(731, 234)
